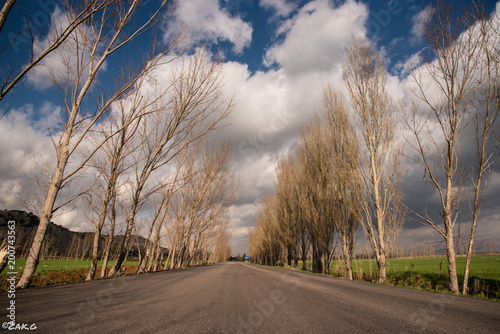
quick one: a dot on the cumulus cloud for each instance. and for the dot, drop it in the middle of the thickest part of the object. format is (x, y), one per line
(21, 141)
(272, 105)
(316, 36)
(282, 8)
(27, 150)
(206, 21)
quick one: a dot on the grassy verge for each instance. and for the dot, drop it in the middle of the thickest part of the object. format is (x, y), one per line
(428, 273)
(50, 272)
(62, 265)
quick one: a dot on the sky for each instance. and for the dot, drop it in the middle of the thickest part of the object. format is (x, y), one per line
(278, 56)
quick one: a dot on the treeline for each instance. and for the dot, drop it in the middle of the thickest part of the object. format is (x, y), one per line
(133, 144)
(346, 168)
(340, 175)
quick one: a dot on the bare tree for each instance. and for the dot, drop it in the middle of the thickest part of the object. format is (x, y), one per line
(345, 173)
(221, 250)
(201, 205)
(315, 165)
(82, 12)
(317, 193)
(289, 211)
(486, 134)
(162, 206)
(458, 87)
(157, 220)
(264, 246)
(116, 149)
(365, 76)
(89, 47)
(190, 110)
(112, 215)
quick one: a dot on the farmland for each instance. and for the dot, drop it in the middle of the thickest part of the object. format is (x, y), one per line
(428, 273)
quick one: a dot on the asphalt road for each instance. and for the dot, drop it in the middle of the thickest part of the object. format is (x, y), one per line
(245, 298)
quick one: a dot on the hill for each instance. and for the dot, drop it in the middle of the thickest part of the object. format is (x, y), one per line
(59, 240)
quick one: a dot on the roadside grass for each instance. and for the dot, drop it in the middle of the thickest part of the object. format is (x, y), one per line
(430, 273)
(50, 272)
(61, 265)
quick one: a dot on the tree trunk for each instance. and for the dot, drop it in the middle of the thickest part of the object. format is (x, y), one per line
(106, 251)
(347, 257)
(304, 254)
(142, 264)
(175, 258)
(475, 212)
(93, 263)
(180, 260)
(153, 264)
(95, 252)
(380, 219)
(4, 257)
(469, 253)
(34, 253)
(170, 259)
(326, 264)
(122, 253)
(381, 267)
(109, 238)
(447, 219)
(316, 261)
(289, 256)
(102, 219)
(123, 248)
(452, 267)
(158, 262)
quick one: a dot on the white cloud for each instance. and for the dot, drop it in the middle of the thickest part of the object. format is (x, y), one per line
(282, 8)
(419, 20)
(206, 21)
(271, 106)
(316, 36)
(414, 61)
(73, 219)
(20, 142)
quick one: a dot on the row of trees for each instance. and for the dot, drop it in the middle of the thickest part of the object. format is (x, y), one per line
(457, 94)
(341, 175)
(133, 138)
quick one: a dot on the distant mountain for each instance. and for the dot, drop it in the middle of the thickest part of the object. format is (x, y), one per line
(59, 240)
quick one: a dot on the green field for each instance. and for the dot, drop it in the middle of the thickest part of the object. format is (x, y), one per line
(486, 267)
(428, 273)
(61, 265)
(424, 273)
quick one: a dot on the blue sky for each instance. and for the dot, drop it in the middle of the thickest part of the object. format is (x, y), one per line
(278, 56)
(390, 24)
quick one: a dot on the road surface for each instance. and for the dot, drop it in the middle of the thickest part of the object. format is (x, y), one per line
(246, 298)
